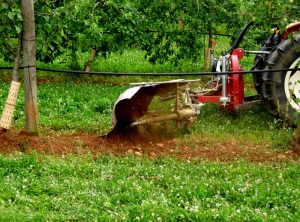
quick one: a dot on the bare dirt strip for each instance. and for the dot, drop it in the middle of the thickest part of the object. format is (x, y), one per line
(81, 143)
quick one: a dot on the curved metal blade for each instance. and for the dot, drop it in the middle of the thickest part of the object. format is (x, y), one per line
(134, 102)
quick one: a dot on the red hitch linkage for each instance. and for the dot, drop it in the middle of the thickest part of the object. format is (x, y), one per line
(234, 84)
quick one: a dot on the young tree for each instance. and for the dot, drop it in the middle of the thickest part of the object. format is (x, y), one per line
(17, 20)
(29, 57)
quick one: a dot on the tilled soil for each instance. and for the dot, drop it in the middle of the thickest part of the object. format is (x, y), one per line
(81, 143)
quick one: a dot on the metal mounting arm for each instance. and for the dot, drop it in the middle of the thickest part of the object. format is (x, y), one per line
(224, 99)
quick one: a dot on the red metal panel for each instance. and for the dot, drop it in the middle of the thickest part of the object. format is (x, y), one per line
(235, 82)
(207, 99)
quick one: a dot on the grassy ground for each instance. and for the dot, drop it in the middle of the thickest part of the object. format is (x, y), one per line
(79, 188)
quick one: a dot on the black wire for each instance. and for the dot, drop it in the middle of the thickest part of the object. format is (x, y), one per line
(156, 74)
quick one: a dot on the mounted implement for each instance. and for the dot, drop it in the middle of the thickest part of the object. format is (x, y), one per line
(225, 87)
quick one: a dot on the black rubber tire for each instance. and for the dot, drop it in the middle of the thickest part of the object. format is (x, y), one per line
(275, 88)
(260, 64)
(260, 61)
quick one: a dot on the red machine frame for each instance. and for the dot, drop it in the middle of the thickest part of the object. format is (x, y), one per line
(234, 85)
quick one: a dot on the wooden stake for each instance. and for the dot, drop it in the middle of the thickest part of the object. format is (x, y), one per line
(90, 61)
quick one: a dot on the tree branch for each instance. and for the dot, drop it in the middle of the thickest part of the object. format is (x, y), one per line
(9, 48)
(198, 8)
(42, 13)
(94, 9)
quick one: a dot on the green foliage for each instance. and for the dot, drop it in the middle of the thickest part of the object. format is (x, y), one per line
(43, 188)
(177, 29)
(169, 31)
(10, 26)
(268, 14)
(111, 26)
(105, 25)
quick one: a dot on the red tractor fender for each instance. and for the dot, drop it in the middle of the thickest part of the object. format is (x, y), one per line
(294, 27)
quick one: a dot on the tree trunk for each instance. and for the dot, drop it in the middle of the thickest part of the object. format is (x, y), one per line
(9, 108)
(17, 61)
(207, 52)
(29, 57)
(88, 67)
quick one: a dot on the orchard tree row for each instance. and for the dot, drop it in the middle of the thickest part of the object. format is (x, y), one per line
(169, 30)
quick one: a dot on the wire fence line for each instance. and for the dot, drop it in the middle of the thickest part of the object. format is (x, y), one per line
(156, 74)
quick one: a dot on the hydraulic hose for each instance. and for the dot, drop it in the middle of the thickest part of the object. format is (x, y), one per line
(239, 38)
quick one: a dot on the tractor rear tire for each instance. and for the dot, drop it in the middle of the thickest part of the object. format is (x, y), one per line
(260, 64)
(260, 61)
(281, 89)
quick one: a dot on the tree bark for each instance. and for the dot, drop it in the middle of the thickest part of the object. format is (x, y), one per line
(29, 58)
(17, 61)
(207, 52)
(88, 67)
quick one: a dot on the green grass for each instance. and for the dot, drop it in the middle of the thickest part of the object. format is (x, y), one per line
(82, 107)
(79, 188)
(253, 125)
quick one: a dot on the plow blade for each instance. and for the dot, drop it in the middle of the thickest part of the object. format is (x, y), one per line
(133, 104)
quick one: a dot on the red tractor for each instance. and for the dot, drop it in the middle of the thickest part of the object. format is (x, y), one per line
(275, 74)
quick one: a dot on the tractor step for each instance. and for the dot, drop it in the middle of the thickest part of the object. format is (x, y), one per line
(250, 102)
(249, 105)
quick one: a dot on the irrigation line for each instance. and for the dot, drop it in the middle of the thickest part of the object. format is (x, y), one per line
(156, 74)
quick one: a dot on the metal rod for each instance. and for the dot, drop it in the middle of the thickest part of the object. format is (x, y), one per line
(180, 115)
(224, 99)
(212, 63)
(224, 76)
(177, 104)
(155, 119)
(257, 52)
